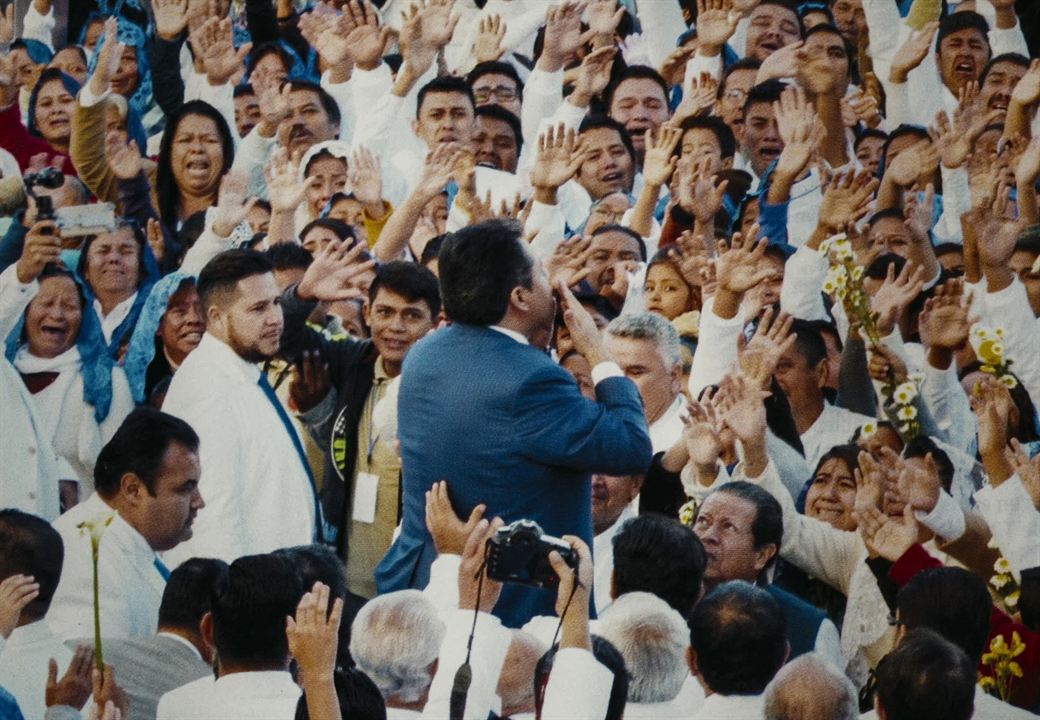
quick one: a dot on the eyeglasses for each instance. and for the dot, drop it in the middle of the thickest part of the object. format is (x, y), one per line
(502, 94)
(736, 95)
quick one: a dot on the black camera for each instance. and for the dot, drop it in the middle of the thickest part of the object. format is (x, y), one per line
(50, 178)
(519, 553)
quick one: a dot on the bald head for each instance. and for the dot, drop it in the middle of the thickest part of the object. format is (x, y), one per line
(516, 683)
(810, 688)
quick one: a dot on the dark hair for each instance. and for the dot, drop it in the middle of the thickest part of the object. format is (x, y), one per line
(596, 122)
(659, 555)
(765, 92)
(615, 227)
(810, 7)
(188, 594)
(723, 133)
(636, 72)
(479, 267)
(411, 281)
(496, 112)
(328, 103)
(768, 525)
(951, 601)
(809, 342)
(747, 63)
(263, 49)
(606, 655)
(288, 256)
(945, 248)
(1014, 58)
(903, 130)
(432, 250)
(243, 88)
(920, 447)
(740, 636)
(868, 133)
(848, 454)
(496, 68)
(318, 563)
(359, 697)
(49, 75)
(344, 230)
(850, 52)
(444, 84)
(139, 446)
(30, 546)
(892, 213)
(222, 273)
(878, 268)
(966, 20)
(250, 607)
(926, 678)
(165, 185)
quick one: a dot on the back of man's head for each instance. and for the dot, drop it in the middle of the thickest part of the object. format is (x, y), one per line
(30, 546)
(739, 637)
(951, 601)
(606, 655)
(188, 594)
(659, 555)
(318, 563)
(653, 640)
(514, 682)
(810, 688)
(139, 446)
(925, 678)
(359, 698)
(219, 279)
(249, 611)
(479, 266)
(395, 639)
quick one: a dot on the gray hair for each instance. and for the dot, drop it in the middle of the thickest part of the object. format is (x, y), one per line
(652, 327)
(394, 640)
(653, 638)
(810, 688)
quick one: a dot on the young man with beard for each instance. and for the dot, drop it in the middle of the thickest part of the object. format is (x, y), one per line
(362, 469)
(259, 486)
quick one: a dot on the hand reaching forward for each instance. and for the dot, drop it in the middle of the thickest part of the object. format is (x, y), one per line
(16, 592)
(107, 59)
(760, 355)
(895, 295)
(887, 537)
(124, 158)
(559, 157)
(944, 323)
(313, 634)
(846, 200)
(701, 433)
(660, 160)
(470, 569)
(737, 266)
(490, 33)
(584, 333)
(449, 533)
(75, 685)
(328, 278)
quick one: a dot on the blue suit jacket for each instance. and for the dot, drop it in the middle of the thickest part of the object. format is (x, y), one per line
(506, 426)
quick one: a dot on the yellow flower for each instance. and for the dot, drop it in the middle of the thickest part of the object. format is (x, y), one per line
(987, 683)
(907, 413)
(1009, 381)
(829, 287)
(1002, 566)
(1012, 599)
(1015, 668)
(905, 393)
(999, 581)
(991, 352)
(988, 369)
(998, 332)
(868, 430)
(857, 273)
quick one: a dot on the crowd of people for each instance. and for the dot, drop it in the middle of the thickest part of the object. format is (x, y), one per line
(670, 359)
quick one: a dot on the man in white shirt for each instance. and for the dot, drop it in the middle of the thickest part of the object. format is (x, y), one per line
(646, 346)
(612, 498)
(31, 547)
(247, 628)
(147, 493)
(810, 687)
(802, 374)
(259, 488)
(927, 676)
(737, 644)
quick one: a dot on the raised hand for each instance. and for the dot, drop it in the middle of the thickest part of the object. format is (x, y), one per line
(366, 179)
(716, 23)
(737, 266)
(944, 323)
(490, 34)
(7, 25)
(329, 277)
(895, 295)
(859, 107)
(603, 17)
(884, 365)
(912, 163)
(1028, 168)
(991, 403)
(310, 381)
(659, 162)
(449, 533)
(701, 433)
(593, 76)
(1028, 470)
(759, 356)
(471, 568)
(796, 122)
(559, 157)
(107, 692)
(886, 537)
(437, 171)
(870, 483)
(569, 261)
(691, 259)
(219, 56)
(783, 63)
(920, 486)
(584, 334)
(957, 139)
(124, 158)
(154, 235)
(1027, 90)
(572, 595)
(739, 406)
(562, 35)
(107, 59)
(997, 233)
(674, 68)
(285, 188)
(698, 99)
(171, 18)
(313, 634)
(16, 591)
(912, 53)
(42, 246)
(846, 200)
(75, 685)
(232, 204)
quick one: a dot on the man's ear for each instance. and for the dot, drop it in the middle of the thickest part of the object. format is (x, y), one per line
(613, 585)
(206, 629)
(518, 299)
(132, 488)
(727, 163)
(821, 371)
(214, 319)
(691, 661)
(763, 555)
(366, 312)
(677, 379)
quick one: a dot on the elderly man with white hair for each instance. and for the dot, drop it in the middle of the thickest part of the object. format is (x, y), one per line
(811, 688)
(646, 347)
(653, 639)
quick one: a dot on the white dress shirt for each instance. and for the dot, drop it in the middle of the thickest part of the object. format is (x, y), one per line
(267, 695)
(666, 430)
(26, 454)
(731, 707)
(603, 559)
(834, 426)
(683, 706)
(578, 687)
(1015, 523)
(110, 322)
(23, 665)
(258, 495)
(130, 584)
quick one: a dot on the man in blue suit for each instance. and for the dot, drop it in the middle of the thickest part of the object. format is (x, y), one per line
(482, 406)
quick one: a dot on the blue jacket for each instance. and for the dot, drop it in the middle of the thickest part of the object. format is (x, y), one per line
(506, 426)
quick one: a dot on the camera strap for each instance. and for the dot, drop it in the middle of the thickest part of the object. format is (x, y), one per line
(566, 606)
(464, 675)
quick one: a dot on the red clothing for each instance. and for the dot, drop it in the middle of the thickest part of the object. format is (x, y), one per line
(17, 140)
(1025, 690)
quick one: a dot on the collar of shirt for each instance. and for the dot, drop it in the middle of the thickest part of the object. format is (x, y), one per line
(182, 641)
(379, 371)
(261, 683)
(223, 356)
(35, 633)
(510, 333)
(110, 322)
